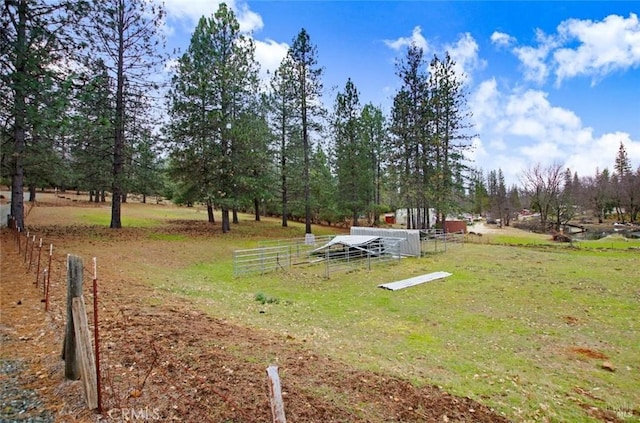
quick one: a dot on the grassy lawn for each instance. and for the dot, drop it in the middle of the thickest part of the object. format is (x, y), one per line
(524, 329)
(522, 325)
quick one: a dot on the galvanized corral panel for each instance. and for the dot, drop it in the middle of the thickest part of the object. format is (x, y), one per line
(411, 245)
(406, 283)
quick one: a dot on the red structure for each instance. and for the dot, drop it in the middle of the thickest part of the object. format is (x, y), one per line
(451, 226)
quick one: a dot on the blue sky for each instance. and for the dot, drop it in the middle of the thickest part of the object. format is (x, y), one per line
(547, 82)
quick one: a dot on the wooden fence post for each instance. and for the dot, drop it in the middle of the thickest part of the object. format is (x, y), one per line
(84, 353)
(275, 395)
(74, 289)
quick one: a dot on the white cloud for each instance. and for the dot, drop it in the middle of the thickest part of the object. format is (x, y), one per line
(533, 59)
(249, 20)
(269, 54)
(484, 103)
(192, 10)
(501, 39)
(604, 47)
(520, 128)
(416, 38)
(580, 48)
(465, 54)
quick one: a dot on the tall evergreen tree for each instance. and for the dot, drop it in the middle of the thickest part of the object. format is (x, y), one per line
(146, 169)
(373, 133)
(308, 91)
(351, 154)
(450, 138)
(498, 199)
(430, 127)
(92, 131)
(126, 35)
(411, 120)
(286, 127)
(626, 191)
(323, 186)
(478, 193)
(35, 34)
(212, 92)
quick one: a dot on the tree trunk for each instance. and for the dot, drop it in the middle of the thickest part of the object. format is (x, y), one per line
(235, 216)
(285, 210)
(91, 196)
(19, 80)
(118, 145)
(226, 226)
(256, 207)
(210, 215)
(305, 147)
(283, 165)
(32, 193)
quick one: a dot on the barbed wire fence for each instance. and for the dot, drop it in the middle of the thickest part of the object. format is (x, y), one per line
(108, 318)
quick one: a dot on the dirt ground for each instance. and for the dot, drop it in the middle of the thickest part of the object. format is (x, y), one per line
(163, 360)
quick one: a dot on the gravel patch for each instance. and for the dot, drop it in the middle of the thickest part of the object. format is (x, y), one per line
(16, 403)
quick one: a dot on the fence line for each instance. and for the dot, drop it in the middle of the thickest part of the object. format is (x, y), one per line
(32, 259)
(283, 254)
(436, 240)
(263, 260)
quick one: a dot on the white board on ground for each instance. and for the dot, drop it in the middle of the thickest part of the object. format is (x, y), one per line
(406, 283)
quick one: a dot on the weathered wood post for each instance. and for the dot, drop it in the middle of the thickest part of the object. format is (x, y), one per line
(275, 395)
(84, 354)
(74, 290)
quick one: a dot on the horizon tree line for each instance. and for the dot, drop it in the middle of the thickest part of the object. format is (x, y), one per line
(80, 83)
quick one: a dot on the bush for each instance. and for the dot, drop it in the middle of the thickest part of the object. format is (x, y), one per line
(263, 299)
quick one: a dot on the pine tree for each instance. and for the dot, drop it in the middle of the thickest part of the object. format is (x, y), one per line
(450, 138)
(125, 34)
(92, 130)
(212, 94)
(308, 92)
(35, 34)
(352, 154)
(374, 137)
(285, 126)
(410, 125)
(323, 186)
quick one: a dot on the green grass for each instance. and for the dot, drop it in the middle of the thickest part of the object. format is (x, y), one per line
(509, 328)
(167, 237)
(611, 242)
(503, 329)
